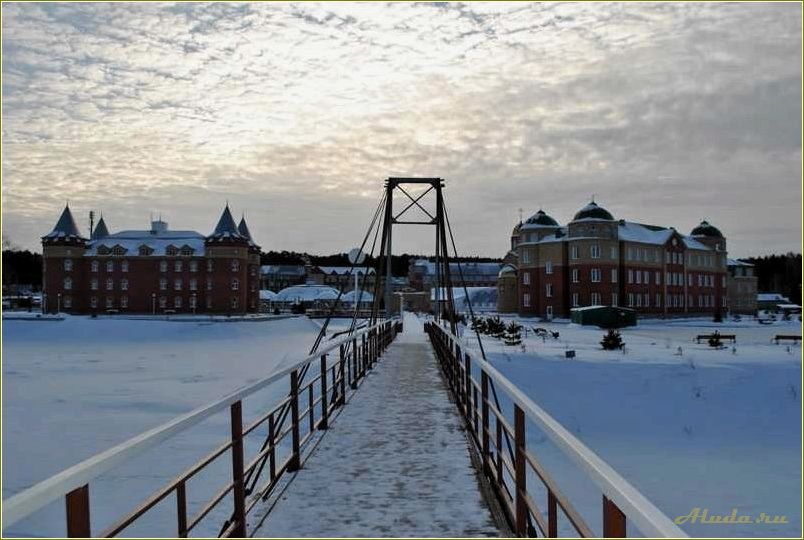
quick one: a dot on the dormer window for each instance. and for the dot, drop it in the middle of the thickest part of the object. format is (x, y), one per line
(119, 250)
(171, 251)
(145, 250)
(186, 251)
(103, 250)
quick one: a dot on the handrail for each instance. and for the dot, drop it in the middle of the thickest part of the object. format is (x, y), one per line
(646, 516)
(34, 498)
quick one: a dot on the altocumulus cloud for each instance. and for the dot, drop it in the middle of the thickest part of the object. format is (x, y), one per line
(669, 113)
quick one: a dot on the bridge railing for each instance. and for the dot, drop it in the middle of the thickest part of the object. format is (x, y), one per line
(508, 466)
(319, 395)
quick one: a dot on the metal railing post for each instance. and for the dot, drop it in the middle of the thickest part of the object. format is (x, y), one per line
(484, 413)
(77, 503)
(342, 366)
(363, 351)
(181, 510)
(552, 515)
(519, 469)
(468, 387)
(295, 461)
(271, 443)
(323, 423)
(354, 363)
(239, 487)
(613, 520)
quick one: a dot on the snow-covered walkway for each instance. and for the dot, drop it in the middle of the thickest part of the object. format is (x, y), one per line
(394, 463)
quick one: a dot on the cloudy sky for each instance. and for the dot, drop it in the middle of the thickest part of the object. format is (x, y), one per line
(295, 113)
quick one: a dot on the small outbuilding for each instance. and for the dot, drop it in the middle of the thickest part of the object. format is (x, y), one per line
(604, 316)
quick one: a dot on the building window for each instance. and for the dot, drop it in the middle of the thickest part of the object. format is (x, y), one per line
(68, 265)
(658, 278)
(235, 265)
(93, 302)
(209, 284)
(110, 266)
(667, 257)
(646, 277)
(253, 271)
(109, 302)
(548, 290)
(177, 266)
(177, 302)
(630, 299)
(124, 302)
(614, 299)
(93, 284)
(192, 302)
(574, 252)
(638, 276)
(68, 302)
(658, 300)
(630, 254)
(549, 312)
(186, 251)
(124, 266)
(724, 301)
(526, 300)
(171, 251)
(548, 267)
(94, 266)
(526, 256)
(193, 266)
(614, 275)
(209, 302)
(723, 281)
(68, 284)
(235, 302)
(596, 299)
(639, 300)
(124, 284)
(594, 250)
(689, 280)
(163, 266)
(209, 265)
(235, 284)
(193, 284)
(630, 276)
(575, 275)
(647, 300)
(176, 284)
(145, 251)
(163, 302)
(162, 284)
(613, 252)
(526, 278)
(595, 275)
(667, 279)
(575, 302)
(109, 284)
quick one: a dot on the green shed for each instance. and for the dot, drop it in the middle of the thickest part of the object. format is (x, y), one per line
(604, 316)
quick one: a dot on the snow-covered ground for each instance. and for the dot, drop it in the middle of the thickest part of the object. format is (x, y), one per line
(705, 428)
(75, 387)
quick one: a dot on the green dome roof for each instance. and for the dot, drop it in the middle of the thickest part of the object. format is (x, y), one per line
(705, 229)
(540, 218)
(593, 211)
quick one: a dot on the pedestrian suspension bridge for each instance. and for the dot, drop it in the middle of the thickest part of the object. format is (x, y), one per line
(395, 427)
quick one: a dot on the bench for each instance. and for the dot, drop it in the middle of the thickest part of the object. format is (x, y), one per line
(783, 337)
(731, 337)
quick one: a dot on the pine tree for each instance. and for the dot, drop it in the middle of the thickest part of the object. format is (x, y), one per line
(513, 334)
(479, 325)
(612, 340)
(495, 327)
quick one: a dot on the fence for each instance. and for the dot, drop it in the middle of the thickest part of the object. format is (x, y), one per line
(356, 355)
(506, 466)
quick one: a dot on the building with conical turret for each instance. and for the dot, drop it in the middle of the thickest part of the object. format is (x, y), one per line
(153, 271)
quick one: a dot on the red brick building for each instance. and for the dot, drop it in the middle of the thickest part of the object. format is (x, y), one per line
(150, 271)
(598, 260)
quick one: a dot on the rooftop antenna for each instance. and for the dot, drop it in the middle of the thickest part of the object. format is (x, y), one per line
(520, 216)
(593, 198)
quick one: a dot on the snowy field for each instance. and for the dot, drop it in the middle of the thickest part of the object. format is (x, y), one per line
(715, 429)
(75, 387)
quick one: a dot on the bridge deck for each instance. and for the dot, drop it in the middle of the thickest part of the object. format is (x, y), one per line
(394, 463)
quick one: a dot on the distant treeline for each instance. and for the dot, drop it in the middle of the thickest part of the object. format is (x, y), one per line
(779, 274)
(399, 263)
(21, 268)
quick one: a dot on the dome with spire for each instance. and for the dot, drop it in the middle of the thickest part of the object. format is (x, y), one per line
(593, 211)
(541, 218)
(65, 227)
(705, 229)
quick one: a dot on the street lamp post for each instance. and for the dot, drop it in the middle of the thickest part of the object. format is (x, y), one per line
(153, 303)
(58, 303)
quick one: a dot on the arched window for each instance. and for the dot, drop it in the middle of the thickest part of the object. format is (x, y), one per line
(162, 284)
(193, 284)
(124, 302)
(93, 302)
(68, 265)
(68, 284)
(124, 284)
(235, 284)
(193, 266)
(109, 284)
(177, 266)
(93, 284)
(94, 266)
(235, 302)
(110, 266)
(163, 266)
(235, 265)
(124, 266)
